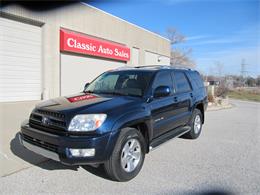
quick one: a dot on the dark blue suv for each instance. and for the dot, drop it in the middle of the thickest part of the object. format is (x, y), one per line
(118, 118)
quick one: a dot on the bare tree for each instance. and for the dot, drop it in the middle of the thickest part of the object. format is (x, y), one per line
(179, 57)
(216, 71)
(219, 68)
(174, 36)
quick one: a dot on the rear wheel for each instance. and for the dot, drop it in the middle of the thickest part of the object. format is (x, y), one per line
(195, 124)
(128, 156)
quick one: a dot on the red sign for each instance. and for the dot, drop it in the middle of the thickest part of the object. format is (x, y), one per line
(81, 98)
(79, 43)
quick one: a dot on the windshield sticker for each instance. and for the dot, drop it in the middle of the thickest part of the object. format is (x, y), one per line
(81, 98)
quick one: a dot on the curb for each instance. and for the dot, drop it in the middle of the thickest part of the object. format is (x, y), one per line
(216, 108)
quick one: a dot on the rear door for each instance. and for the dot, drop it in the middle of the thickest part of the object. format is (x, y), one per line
(183, 97)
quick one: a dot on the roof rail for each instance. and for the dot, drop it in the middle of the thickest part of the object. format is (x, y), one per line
(155, 66)
(182, 67)
(124, 67)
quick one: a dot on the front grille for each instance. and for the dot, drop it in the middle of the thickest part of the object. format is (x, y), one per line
(48, 129)
(50, 113)
(56, 121)
(37, 142)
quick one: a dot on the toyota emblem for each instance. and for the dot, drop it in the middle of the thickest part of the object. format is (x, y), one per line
(45, 121)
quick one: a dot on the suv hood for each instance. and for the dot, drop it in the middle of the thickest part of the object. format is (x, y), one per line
(87, 103)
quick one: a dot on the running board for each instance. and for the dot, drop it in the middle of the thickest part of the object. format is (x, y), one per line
(168, 136)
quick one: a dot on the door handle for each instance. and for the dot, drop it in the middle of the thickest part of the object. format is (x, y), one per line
(175, 99)
(191, 95)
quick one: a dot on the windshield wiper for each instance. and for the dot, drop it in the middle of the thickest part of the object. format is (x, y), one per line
(118, 93)
(88, 91)
(113, 93)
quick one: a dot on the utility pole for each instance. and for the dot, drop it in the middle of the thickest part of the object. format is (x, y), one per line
(243, 68)
(243, 71)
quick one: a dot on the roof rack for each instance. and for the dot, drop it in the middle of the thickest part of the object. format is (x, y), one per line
(181, 67)
(124, 67)
(155, 66)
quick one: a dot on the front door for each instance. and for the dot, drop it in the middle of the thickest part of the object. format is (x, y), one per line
(162, 109)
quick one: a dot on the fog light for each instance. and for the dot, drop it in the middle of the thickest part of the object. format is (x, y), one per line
(82, 152)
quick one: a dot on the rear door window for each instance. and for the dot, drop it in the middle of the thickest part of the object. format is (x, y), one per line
(181, 82)
(196, 79)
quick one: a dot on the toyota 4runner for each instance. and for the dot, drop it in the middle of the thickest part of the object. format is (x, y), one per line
(118, 118)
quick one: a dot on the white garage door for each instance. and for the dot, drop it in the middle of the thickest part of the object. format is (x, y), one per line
(20, 61)
(76, 71)
(156, 59)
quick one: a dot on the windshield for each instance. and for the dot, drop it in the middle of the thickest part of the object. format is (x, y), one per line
(133, 83)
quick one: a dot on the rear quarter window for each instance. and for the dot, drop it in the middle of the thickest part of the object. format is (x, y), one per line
(181, 82)
(196, 79)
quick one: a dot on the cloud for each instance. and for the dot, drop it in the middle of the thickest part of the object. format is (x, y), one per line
(197, 37)
(229, 50)
(197, 1)
(248, 34)
(231, 60)
(218, 41)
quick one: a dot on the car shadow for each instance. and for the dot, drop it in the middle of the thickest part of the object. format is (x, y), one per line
(97, 171)
(47, 164)
(35, 159)
(203, 192)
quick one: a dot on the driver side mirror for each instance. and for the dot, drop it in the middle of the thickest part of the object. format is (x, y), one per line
(162, 91)
(86, 86)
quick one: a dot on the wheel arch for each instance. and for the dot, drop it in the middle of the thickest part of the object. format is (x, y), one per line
(138, 119)
(144, 126)
(145, 131)
(200, 107)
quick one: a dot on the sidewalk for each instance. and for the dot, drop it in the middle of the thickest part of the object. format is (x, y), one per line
(215, 106)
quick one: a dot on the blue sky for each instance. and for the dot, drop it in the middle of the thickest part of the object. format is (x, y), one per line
(224, 31)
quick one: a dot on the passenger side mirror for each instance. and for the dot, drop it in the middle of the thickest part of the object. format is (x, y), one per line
(162, 91)
(86, 86)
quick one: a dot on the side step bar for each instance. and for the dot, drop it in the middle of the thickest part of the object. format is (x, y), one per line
(168, 136)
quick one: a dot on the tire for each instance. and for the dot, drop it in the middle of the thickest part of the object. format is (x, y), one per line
(195, 124)
(118, 165)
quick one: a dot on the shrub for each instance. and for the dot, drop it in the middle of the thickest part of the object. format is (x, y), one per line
(221, 91)
(211, 98)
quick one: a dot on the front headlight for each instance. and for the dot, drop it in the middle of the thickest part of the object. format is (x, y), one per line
(87, 122)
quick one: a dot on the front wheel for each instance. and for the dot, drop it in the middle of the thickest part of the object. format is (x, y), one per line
(128, 156)
(195, 124)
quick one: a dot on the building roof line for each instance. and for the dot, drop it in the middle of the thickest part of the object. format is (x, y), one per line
(125, 21)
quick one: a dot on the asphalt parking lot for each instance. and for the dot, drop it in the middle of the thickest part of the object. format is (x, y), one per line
(226, 159)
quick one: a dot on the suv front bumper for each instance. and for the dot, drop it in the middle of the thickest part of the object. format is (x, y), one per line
(57, 147)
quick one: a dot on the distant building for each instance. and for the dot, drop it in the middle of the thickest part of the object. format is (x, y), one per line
(229, 82)
(214, 82)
